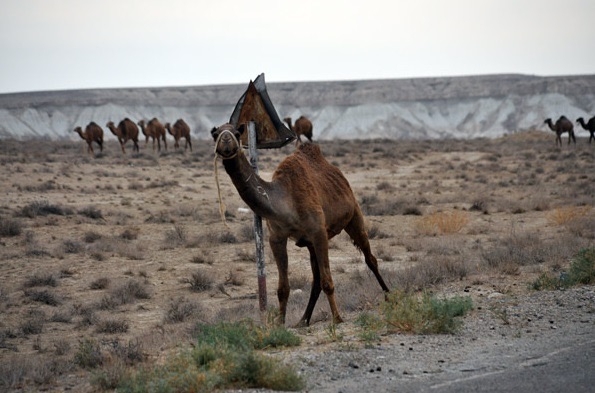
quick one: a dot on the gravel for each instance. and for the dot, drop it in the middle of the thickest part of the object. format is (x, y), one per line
(504, 335)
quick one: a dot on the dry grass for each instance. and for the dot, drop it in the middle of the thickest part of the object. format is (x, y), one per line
(565, 215)
(102, 254)
(444, 223)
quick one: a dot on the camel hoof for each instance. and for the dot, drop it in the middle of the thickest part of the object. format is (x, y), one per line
(301, 324)
(337, 320)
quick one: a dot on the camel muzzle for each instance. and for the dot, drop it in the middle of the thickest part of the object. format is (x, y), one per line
(227, 145)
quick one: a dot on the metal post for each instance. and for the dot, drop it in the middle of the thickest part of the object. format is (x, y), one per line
(260, 271)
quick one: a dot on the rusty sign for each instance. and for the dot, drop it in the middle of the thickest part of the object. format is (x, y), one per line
(256, 106)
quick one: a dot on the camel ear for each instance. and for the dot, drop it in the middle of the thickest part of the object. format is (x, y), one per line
(214, 133)
(240, 130)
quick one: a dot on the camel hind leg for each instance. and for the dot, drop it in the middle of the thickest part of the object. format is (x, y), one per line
(357, 232)
(321, 279)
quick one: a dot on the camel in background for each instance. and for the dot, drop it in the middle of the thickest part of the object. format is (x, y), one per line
(562, 125)
(590, 126)
(92, 133)
(308, 200)
(302, 126)
(125, 131)
(155, 130)
(180, 130)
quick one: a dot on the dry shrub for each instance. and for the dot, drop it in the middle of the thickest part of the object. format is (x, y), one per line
(91, 237)
(199, 281)
(234, 278)
(359, 292)
(126, 293)
(100, 283)
(180, 310)
(429, 271)
(177, 236)
(112, 326)
(246, 309)
(10, 227)
(565, 215)
(40, 280)
(511, 252)
(299, 281)
(583, 227)
(442, 223)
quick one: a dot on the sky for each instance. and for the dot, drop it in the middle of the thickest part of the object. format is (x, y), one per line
(82, 44)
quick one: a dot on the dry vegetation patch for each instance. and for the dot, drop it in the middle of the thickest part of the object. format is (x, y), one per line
(109, 262)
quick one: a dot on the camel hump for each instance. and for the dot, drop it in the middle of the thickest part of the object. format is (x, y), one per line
(312, 151)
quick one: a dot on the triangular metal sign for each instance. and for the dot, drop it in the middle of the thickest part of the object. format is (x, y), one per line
(256, 106)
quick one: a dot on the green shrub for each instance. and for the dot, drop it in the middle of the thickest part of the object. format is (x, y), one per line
(582, 267)
(370, 327)
(424, 314)
(224, 358)
(581, 271)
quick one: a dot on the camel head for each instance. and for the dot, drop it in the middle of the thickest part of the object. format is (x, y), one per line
(227, 140)
(111, 126)
(141, 123)
(168, 128)
(78, 130)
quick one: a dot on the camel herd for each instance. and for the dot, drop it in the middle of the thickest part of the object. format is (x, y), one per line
(127, 130)
(564, 125)
(157, 131)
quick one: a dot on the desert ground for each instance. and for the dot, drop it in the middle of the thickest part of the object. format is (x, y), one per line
(130, 251)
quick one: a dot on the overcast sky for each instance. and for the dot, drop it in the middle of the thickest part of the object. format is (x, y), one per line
(73, 44)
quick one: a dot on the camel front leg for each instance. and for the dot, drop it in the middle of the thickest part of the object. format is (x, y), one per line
(314, 292)
(279, 248)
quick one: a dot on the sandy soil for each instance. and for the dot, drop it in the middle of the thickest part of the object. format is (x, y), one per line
(153, 219)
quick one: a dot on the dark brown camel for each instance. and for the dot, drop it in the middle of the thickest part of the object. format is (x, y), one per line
(92, 133)
(562, 125)
(154, 129)
(180, 130)
(590, 126)
(125, 131)
(302, 126)
(309, 201)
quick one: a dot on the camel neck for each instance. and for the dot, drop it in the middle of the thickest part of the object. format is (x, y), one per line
(256, 192)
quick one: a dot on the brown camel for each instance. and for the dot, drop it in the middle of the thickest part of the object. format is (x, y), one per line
(302, 126)
(590, 126)
(125, 131)
(154, 129)
(309, 201)
(180, 130)
(562, 125)
(92, 133)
